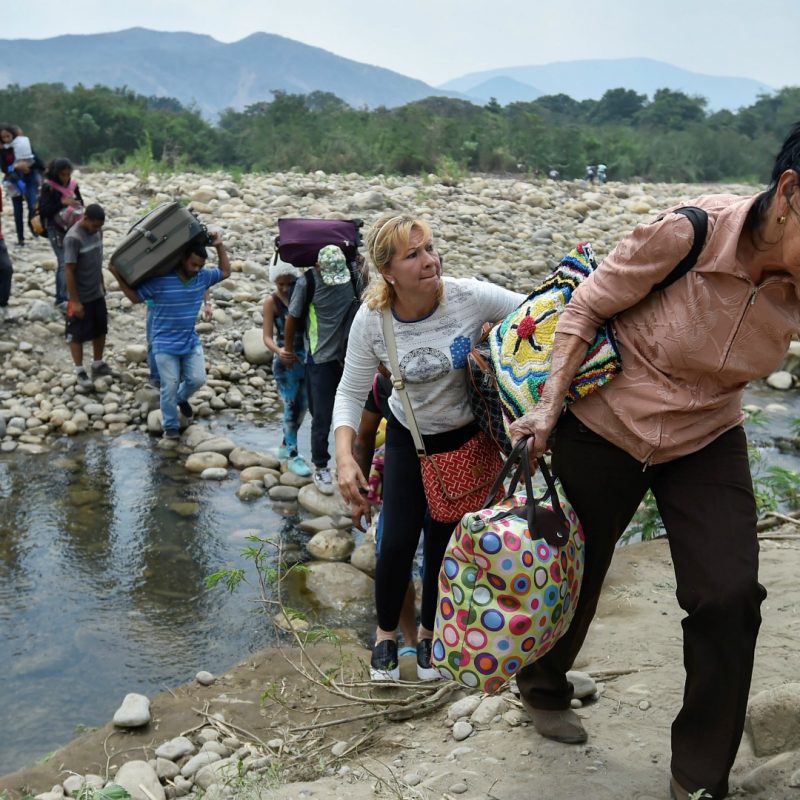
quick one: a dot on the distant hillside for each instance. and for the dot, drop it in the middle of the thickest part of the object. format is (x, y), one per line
(590, 79)
(198, 69)
(505, 90)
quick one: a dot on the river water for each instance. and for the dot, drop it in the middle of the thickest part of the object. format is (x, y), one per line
(105, 545)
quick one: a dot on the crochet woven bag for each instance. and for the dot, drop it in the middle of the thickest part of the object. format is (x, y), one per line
(521, 346)
(509, 582)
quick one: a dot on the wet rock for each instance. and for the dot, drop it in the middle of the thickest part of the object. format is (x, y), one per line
(242, 458)
(250, 491)
(781, 380)
(195, 435)
(292, 622)
(140, 780)
(134, 712)
(288, 478)
(283, 494)
(214, 474)
(331, 545)
(198, 462)
(154, 421)
(216, 444)
(313, 501)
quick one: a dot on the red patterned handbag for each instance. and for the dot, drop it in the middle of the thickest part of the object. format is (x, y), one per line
(457, 482)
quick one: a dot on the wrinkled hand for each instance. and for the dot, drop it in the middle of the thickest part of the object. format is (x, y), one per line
(538, 425)
(287, 357)
(353, 487)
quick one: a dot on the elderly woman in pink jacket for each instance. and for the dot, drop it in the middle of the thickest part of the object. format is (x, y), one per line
(671, 422)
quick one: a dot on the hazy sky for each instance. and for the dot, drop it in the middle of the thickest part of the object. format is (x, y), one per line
(435, 40)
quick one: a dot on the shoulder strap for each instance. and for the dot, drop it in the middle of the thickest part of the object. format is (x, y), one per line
(398, 383)
(310, 287)
(699, 219)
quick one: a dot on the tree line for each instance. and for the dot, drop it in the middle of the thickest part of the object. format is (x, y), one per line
(669, 137)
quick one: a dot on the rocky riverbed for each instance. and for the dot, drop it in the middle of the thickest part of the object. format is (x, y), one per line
(506, 230)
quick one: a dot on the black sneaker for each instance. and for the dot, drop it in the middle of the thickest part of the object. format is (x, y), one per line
(171, 433)
(384, 665)
(425, 669)
(102, 370)
(185, 408)
(84, 381)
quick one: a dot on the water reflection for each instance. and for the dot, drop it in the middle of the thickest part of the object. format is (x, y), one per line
(105, 546)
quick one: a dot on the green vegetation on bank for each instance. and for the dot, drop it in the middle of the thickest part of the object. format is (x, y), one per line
(670, 137)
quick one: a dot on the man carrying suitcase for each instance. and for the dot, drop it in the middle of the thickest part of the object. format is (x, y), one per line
(177, 298)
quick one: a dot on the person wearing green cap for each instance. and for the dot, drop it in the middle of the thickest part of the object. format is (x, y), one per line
(323, 301)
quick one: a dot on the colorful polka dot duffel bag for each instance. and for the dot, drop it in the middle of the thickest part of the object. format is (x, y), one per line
(509, 581)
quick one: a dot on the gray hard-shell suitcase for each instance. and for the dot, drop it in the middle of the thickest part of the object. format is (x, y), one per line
(154, 244)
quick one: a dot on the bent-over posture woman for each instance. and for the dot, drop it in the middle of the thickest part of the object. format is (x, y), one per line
(671, 422)
(436, 321)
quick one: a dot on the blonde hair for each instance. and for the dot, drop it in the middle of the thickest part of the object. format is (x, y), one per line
(388, 236)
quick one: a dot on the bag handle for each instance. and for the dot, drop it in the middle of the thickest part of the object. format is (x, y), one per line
(557, 535)
(399, 384)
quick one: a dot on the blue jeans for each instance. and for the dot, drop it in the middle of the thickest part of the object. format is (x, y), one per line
(291, 383)
(155, 378)
(28, 188)
(57, 243)
(181, 377)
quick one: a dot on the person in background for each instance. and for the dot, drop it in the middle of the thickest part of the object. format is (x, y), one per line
(87, 316)
(60, 203)
(325, 321)
(289, 371)
(6, 271)
(672, 422)
(436, 322)
(21, 177)
(177, 299)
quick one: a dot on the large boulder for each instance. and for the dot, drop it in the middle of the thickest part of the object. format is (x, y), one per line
(340, 587)
(255, 351)
(216, 444)
(198, 462)
(773, 720)
(363, 558)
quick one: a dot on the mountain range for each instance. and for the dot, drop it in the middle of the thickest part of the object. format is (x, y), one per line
(213, 75)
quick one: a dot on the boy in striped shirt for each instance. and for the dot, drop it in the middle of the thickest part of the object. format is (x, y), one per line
(177, 298)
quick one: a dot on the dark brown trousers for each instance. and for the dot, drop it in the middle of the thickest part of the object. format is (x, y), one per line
(707, 506)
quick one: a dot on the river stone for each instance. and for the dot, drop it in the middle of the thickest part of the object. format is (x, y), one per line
(198, 762)
(223, 771)
(250, 491)
(154, 421)
(283, 494)
(313, 501)
(773, 720)
(269, 480)
(461, 730)
(195, 435)
(339, 587)
(134, 712)
(363, 558)
(147, 396)
(204, 678)
(332, 545)
(315, 524)
(288, 478)
(94, 409)
(369, 201)
(40, 311)
(166, 769)
(140, 780)
(216, 444)
(197, 462)
(184, 508)
(137, 353)
(175, 748)
(75, 783)
(242, 458)
(781, 380)
(583, 684)
(253, 473)
(214, 474)
(255, 351)
(464, 707)
(285, 623)
(489, 708)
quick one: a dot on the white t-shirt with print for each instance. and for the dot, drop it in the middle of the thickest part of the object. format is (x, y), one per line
(432, 353)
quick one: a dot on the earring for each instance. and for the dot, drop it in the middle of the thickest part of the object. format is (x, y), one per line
(782, 219)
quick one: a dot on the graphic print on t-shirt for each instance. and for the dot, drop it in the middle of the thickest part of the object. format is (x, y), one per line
(424, 365)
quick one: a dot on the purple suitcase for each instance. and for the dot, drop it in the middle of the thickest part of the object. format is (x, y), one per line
(299, 240)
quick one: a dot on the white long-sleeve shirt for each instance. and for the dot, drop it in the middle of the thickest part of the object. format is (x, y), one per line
(432, 353)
